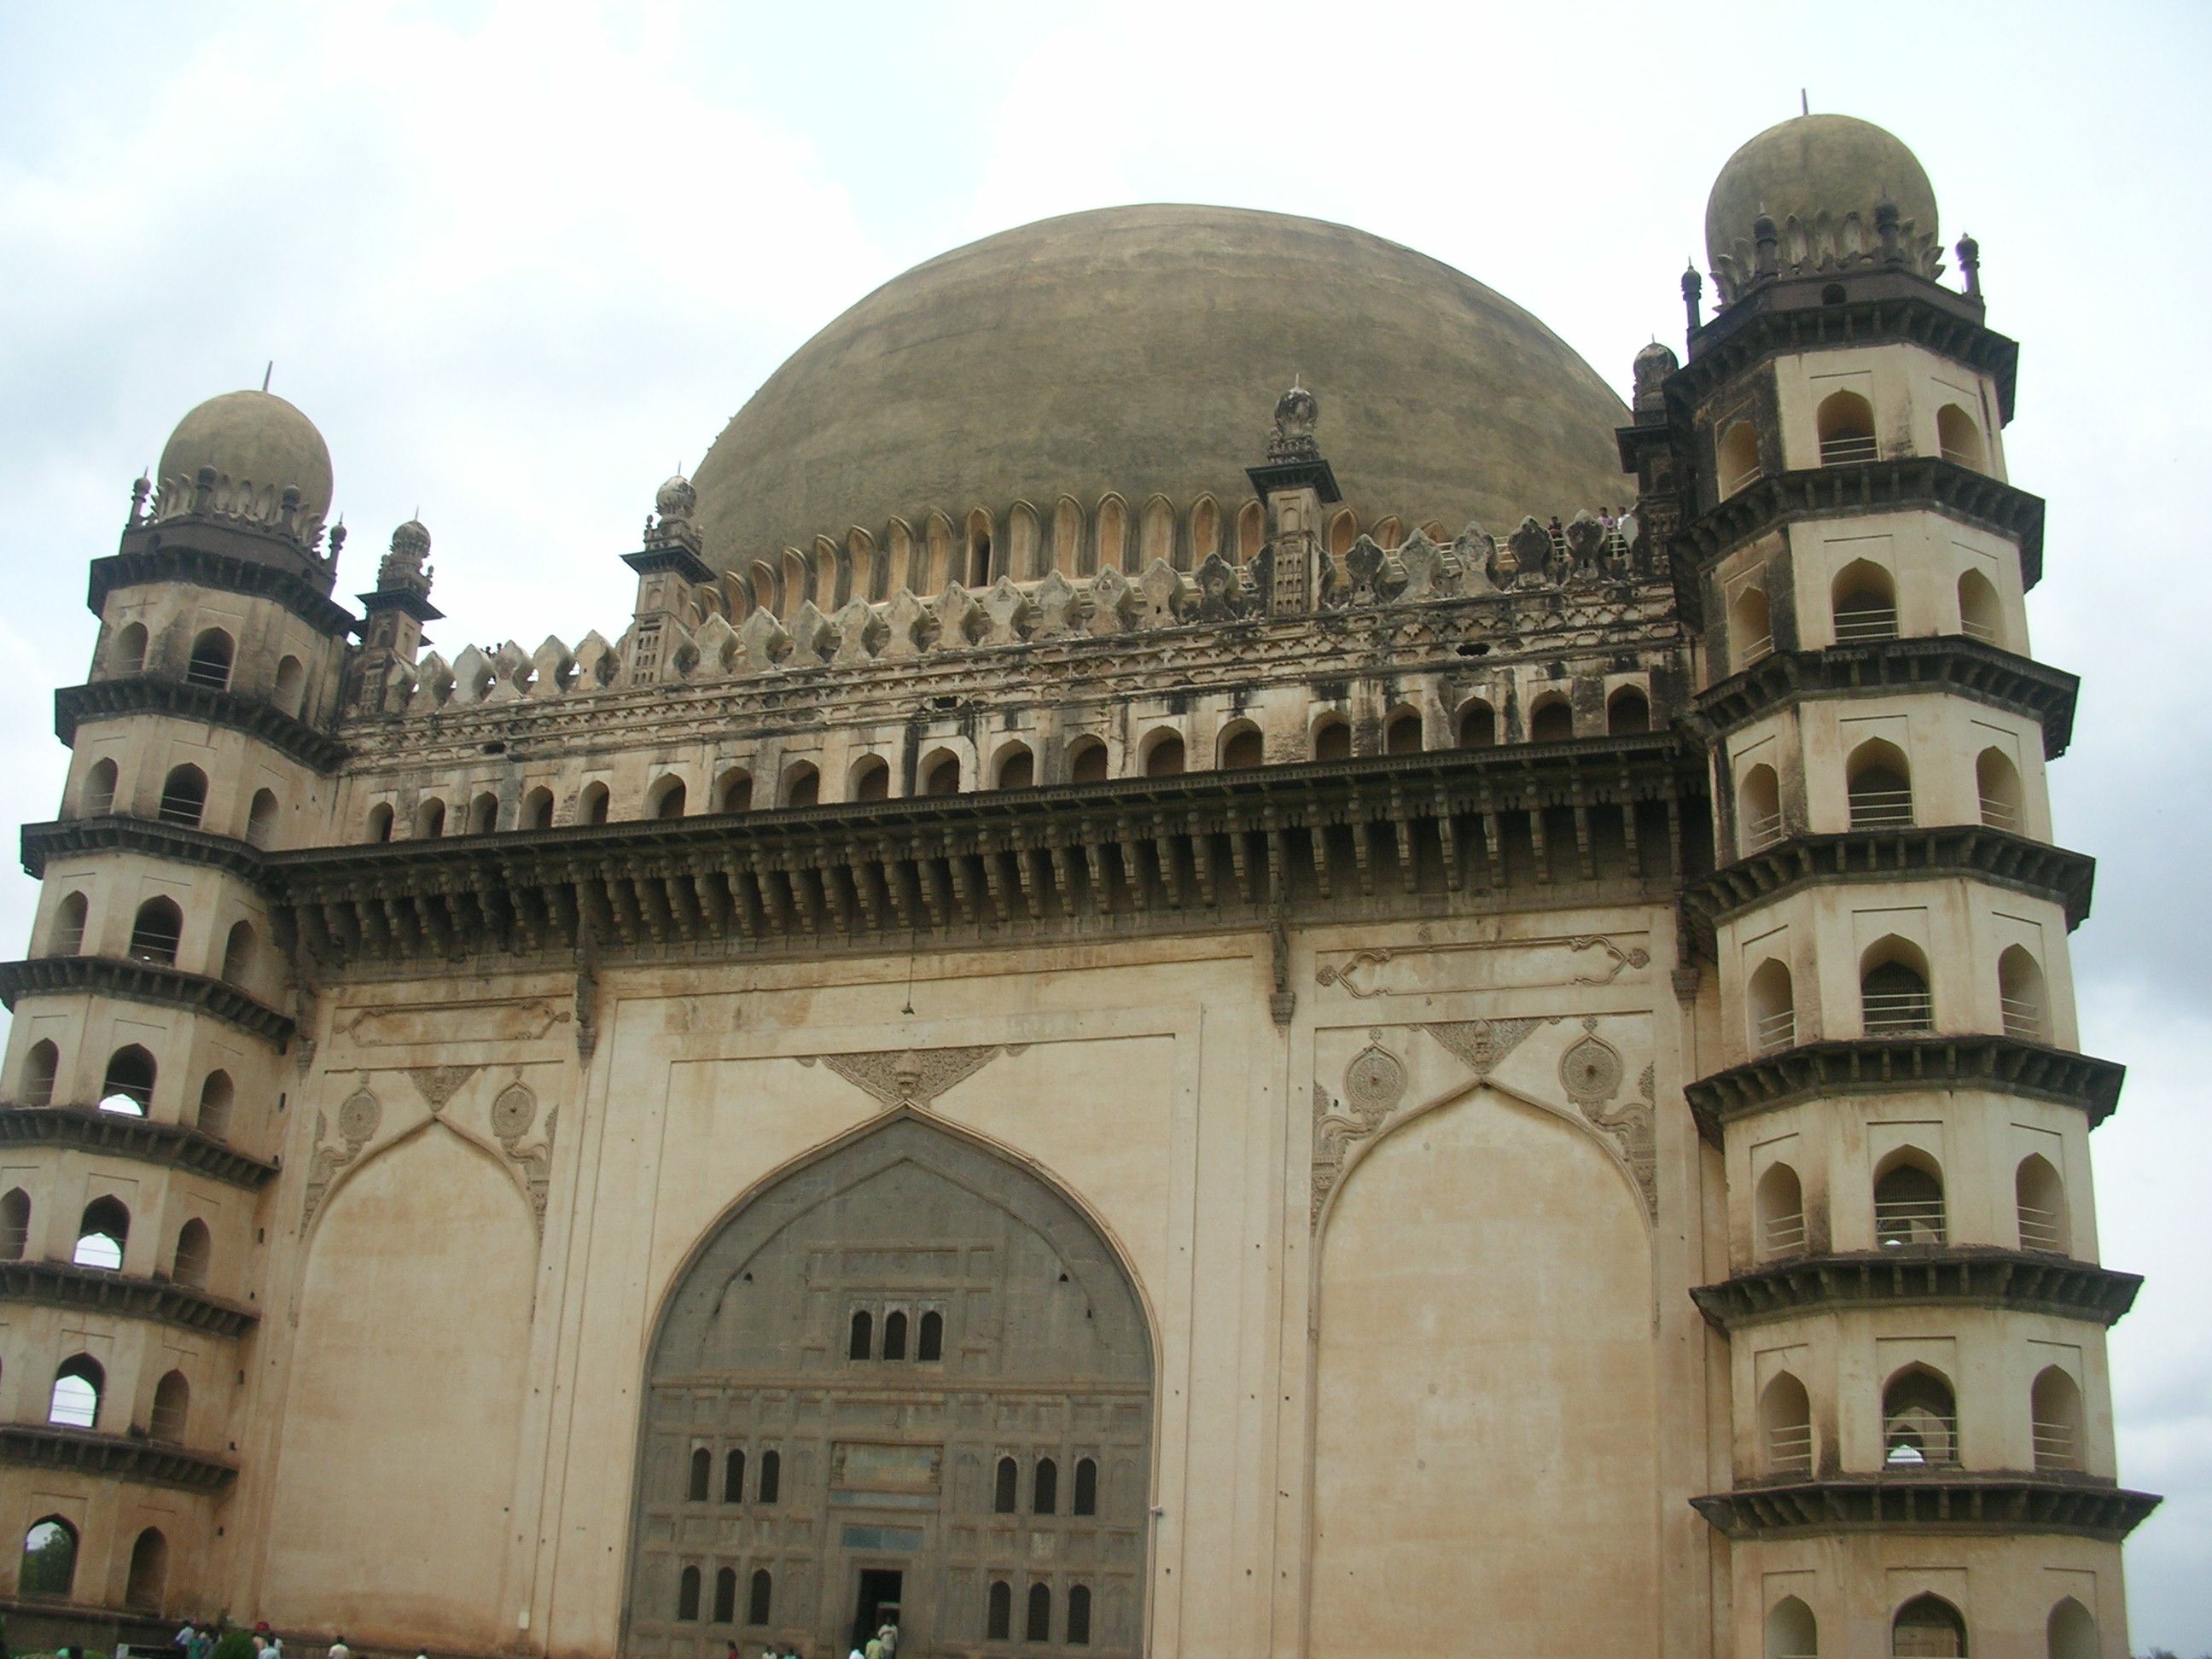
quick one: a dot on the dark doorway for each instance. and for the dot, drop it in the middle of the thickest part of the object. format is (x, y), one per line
(878, 1604)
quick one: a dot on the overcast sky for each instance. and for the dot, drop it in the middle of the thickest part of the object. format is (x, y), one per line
(520, 261)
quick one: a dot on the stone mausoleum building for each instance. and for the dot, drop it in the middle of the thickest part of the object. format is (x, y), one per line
(1443, 1026)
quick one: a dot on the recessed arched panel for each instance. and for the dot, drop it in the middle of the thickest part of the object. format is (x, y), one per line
(1041, 1326)
(1531, 1340)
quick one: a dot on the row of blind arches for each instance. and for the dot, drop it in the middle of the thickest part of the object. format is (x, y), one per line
(1929, 1627)
(1044, 1487)
(1919, 1423)
(767, 1487)
(998, 1609)
(1863, 606)
(49, 1565)
(1895, 996)
(1910, 1208)
(1160, 753)
(127, 1087)
(860, 1342)
(1878, 790)
(102, 1232)
(759, 1596)
(1844, 424)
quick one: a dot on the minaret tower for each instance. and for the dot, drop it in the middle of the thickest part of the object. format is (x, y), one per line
(1909, 1310)
(142, 1095)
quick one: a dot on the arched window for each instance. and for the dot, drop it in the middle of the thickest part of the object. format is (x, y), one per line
(1865, 600)
(1017, 767)
(1553, 720)
(1087, 1486)
(2020, 997)
(1040, 1619)
(2070, 1633)
(430, 819)
(771, 1477)
(1893, 996)
(239, 949)
(1908, 1201)
(98, 797)
(214, 1115)
(2039, 1197)
(1928, 1627)
(291, 680)
(1078, 1616)
(1878, 782)
(1240, 747)
(1477, 725)
(1958, 439)
(1846, 422)
(127, 1085)
(1785, 1426)
(687, 1594)
(1770, 1001)
(929, 1347)
(1044, 1489)
(894, 1335)
(1006, 1494)
(861, 1343)
(1087, 761)
(1332, 738)
(999, 1621)
(1758, 808)
(759, 1604)
(536, 810)
(1738, 456)
(666, 799)
(869, 779)
(67, 937)
(102, 1233)
(1751, 627)
(1163, 755)
(155, 932)
(78, 1385)
(195, 1256)
(1919, 1420)
(1778, 1206)
(1981, 616)
(734, 1476)
(940, 774)
(184, 796)
(39, 1068)
(483, 814)
(1791, 1630)
(726, 1596)
(1997, 781)
(49, 1566)
(172, 1408)
(733, 791)
(210, 661)
(149, 1571)
(261, 818)
(2055, 1414)
(592, 804)
(14, 1224)
(379, 821)
(703, 1475)
(127, 655)
(1626, 712)
(1401, 734)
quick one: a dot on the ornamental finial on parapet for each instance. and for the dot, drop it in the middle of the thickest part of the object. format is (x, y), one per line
(671, 526)
(403, 568)
(1295, 414)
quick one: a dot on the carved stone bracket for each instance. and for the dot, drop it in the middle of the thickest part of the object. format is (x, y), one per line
(912, 1077)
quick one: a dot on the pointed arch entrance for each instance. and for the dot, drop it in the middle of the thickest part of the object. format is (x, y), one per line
(1020, 1337)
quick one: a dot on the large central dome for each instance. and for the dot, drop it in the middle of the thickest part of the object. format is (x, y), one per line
(1140, 349)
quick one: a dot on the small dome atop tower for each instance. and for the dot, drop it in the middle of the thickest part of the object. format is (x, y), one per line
(1820, 178)
(259, 445)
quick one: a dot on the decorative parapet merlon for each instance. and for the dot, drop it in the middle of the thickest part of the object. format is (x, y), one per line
(2000, 1065)
(1969, 850)
(2022, 1281)
(1212, 848)
(144, 981)
(115, 833)
(63, 1284)
(2077, 1505)
(158, 693)
(115, 1457)
(1937, 662)
(144, 1140)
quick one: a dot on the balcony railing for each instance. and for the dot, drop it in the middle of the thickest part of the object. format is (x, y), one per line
(1978, 630)
(2000, 815)
(2057, 1446)
(2023, 1018)
(2040, 1230)
(1901, 1221)
(1752, 650)
(1862, 624)
(1882, 809)
(1785, 1234)
(1965, 458)
(1897, 1013)
(1789, 1448)
(1743, 480)
(1850, 450)
(214, 675)
(1922, 1440)
(182, 809)
(67, 941)
(1762, 829)
(1777, 1031)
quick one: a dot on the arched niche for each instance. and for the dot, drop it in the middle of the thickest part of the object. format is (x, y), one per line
(1531, 1343)
(1042, 1324)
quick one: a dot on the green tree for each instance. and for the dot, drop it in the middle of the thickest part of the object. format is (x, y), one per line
(49, 1561)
